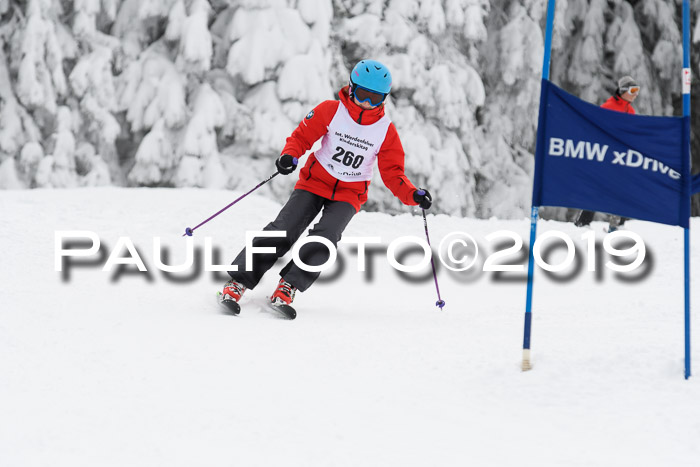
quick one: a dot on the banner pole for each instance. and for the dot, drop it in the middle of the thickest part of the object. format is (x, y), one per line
(534, 212)
(687, 189)
(527, 363)
(551, 6)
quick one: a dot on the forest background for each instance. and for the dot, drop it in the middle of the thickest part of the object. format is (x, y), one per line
(197, 93)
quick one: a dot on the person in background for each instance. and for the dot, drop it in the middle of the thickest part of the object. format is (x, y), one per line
(625, 94)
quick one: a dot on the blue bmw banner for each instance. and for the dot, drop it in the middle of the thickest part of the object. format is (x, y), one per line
(592, 158)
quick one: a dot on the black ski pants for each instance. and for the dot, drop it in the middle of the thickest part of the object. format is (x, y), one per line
(586, 217)
(300, 210)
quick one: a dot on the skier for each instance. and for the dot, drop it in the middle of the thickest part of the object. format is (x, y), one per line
(335, 180)
(625, 94)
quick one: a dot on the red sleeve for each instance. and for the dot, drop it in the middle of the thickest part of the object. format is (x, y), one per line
(391, 167)
(311, 129)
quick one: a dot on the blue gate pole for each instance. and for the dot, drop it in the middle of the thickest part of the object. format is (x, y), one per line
(534, 213)
(687, 190)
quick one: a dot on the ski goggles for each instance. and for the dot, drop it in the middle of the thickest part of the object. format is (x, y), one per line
(631, 89)
(365, 95)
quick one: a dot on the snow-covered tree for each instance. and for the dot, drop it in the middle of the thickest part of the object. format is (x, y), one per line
(204, 92)
(431, 48)
(512, 64)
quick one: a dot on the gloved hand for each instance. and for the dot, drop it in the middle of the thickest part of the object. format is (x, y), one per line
(286, 164)
(423, 198)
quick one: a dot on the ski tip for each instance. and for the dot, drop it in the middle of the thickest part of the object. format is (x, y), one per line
(232, 306)
(285, 311)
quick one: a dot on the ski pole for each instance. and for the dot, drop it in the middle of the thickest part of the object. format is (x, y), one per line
(440, 303)
(189, 231)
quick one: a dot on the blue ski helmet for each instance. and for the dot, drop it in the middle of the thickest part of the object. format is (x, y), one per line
(371, 75)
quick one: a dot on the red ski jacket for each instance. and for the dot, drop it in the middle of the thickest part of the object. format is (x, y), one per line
(619, 104)
(314, 177)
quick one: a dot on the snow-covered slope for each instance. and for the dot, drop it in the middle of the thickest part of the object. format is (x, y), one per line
(143, 370)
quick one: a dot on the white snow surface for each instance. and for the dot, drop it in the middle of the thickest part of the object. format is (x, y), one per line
(145, 372)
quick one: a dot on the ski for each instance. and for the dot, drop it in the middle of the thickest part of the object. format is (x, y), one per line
(234, 308)
(285, 310)
(231, 305)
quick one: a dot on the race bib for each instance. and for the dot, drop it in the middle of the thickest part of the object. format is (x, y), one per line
(349, 149)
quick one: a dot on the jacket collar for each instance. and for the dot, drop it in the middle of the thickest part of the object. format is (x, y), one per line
(358, 114)
(619, 99)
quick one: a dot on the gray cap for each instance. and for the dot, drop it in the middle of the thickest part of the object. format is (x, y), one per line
(626, 82)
